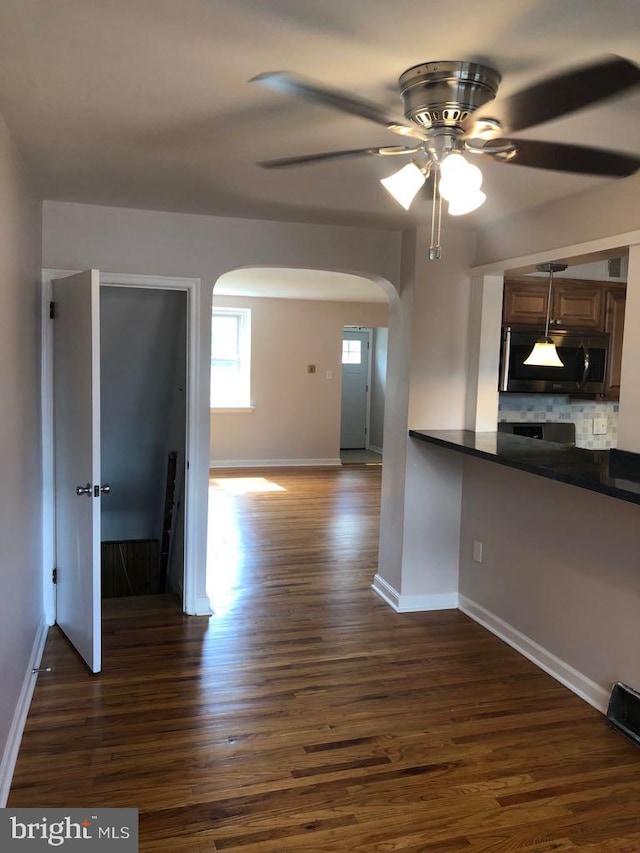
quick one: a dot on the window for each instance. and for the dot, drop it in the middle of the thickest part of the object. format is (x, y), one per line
(230, 358)
(352, 352)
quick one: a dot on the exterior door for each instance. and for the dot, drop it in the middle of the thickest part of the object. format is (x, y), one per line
(355, 389)
(76, 418)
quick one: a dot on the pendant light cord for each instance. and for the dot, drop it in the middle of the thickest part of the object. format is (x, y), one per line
(546, 328)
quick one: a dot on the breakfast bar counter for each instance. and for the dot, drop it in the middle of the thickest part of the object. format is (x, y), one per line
(610, 472)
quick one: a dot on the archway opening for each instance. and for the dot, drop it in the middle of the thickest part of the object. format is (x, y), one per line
(276, 393)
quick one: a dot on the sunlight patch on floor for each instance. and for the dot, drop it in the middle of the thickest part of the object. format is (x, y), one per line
(224, 552)
(245, 485)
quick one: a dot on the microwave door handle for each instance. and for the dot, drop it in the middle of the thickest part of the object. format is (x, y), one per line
(587, 365)
(506, 356)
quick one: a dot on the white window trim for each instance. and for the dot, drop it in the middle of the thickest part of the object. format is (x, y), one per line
(231, 410)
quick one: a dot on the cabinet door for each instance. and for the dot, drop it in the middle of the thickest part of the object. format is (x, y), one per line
(614, 324)
(525, 302)
(577, 306)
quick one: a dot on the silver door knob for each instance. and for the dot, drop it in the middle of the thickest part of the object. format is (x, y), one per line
(84, 490)
(106, 489)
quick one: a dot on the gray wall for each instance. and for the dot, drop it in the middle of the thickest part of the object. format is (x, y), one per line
(143, 374)
(378, 387)
(21, 607)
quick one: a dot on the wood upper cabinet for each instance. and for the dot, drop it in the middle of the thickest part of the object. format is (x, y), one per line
(575, 303)
(614, 324)
(525, 302)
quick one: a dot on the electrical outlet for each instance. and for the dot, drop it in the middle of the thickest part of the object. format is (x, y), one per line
(477, 551)
(599, 426)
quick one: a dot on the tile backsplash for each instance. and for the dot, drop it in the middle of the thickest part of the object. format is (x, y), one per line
(556, 407)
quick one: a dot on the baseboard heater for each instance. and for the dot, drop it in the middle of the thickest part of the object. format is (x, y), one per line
(624, 711)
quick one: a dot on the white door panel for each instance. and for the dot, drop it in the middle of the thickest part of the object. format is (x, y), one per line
(355, 377)
(76, 375)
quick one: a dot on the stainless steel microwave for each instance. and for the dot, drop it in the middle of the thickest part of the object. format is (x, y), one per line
(584, 357)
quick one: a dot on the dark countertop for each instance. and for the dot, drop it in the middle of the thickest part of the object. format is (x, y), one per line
(588, 469)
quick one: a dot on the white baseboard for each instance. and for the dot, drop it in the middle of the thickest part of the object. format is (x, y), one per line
(582, 686)
(10, 755)
(203, 606)
(274, 463)
(375, 449)
(413, 603)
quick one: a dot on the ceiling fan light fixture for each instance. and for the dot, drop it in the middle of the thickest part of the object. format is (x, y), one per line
(544, 354)
(451, 107)
(466, 202)
(459, 179)
(404, 184)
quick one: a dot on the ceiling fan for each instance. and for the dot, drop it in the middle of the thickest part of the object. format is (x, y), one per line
(450, 109)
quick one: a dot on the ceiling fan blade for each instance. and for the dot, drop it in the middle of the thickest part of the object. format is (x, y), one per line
(386, 151)
(566, 158)
(288, 83)
(559, 95)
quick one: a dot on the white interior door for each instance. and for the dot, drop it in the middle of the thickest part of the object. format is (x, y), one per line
(355, 388)
(76, 414)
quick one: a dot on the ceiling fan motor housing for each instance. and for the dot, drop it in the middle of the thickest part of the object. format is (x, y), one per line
(443, 94)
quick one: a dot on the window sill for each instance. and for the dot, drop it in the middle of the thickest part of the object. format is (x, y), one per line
(232, 409)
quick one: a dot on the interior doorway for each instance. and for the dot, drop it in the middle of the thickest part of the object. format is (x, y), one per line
(193, 509)
(364, 370)
(356, 377)
(143, 367)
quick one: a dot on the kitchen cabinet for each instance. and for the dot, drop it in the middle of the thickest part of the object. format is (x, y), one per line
(575, 303)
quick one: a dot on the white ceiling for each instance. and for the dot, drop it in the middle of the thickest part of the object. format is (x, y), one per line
(145, 103)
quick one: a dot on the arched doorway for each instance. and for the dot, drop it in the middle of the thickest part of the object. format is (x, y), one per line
(292, 415)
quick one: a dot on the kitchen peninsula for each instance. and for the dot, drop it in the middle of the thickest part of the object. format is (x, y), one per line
(609, 472)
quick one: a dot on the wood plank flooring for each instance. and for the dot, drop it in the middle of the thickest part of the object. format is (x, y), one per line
(307, 716)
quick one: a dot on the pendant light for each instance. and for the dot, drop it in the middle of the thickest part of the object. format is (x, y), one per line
(544, 353)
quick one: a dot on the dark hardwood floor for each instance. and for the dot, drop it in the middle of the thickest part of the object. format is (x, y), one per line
(307, 716)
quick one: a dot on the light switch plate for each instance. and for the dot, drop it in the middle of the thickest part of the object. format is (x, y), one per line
(599, 426)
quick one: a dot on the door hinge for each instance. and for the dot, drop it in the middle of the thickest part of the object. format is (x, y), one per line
(54, 576)
(52, 310)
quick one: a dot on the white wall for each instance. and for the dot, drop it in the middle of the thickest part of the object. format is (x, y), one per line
(560, 571)
(629, 412)
(435, 305)
(606, 212)
(560, 566)
(438, 383)
(296, 414)
(379, 346)
(21, 608)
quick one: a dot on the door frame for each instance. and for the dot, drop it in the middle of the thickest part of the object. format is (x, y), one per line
(369, 331)
(194, 533)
